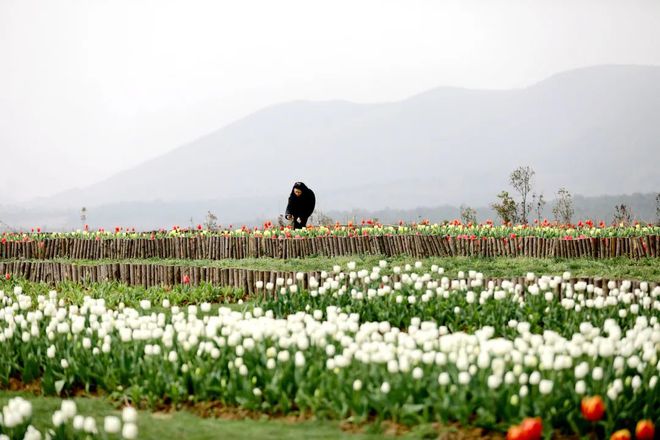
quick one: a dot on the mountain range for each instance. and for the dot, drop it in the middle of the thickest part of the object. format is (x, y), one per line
(595, 131)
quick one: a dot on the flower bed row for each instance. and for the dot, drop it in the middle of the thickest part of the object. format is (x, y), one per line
(151, 274)
(587, 229)
(435, 359)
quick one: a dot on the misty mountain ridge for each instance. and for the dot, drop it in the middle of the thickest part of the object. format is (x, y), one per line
(592, 130)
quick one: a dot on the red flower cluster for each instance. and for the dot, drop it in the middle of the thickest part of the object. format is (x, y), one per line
(593, 408)
(621, 434)
(531, 428)
(645, 430)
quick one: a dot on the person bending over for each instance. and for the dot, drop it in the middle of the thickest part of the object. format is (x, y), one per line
(301, 205)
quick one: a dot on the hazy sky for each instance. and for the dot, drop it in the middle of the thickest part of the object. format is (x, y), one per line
(90, 87)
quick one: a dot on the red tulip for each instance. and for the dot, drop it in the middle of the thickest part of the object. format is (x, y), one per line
(645, 430)
(621, 434)
(532, 428)
(8, 276)
(515, 432)
(199, 227)
(593, 408)
(186, 279)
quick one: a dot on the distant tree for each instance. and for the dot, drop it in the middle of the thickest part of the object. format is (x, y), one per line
(622, 214)
(211, 221)
(521, 180)
(539, 203)
(319, 218)
(563, 209)
(6, 226)
(657, 209)
(468, 215)
(506, 209)
(83, 216)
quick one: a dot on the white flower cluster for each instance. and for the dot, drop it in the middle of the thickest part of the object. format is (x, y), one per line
(18, 411)
(623, 361)
(424, 287)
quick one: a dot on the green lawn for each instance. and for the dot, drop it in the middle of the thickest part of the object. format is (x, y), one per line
(185, 425)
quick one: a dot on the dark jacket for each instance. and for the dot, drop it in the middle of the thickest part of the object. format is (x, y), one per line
(301, 206)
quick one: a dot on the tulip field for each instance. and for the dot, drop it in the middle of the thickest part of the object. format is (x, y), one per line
(404, 344)
(102, 338)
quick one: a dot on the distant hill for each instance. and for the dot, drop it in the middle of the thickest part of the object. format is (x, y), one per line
(593, 130)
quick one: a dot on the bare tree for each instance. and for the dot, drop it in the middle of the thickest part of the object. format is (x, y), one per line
(521, 180)
(319, 218)
(468, 214)
(211, 221)
(622, 214)
(506, 208)
(657, 209)
(539, 203)
(563, 209)
(6, 226)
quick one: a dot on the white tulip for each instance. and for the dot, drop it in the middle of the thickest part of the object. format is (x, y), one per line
(129, 431)
(385, 388)
(129, 414)
(112, 425)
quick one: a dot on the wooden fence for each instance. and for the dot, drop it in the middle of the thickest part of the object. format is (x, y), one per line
(417, 246)
(150, 274)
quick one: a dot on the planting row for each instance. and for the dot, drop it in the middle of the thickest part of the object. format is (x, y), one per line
(401, 296)
(586, 229)
(151, 274)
